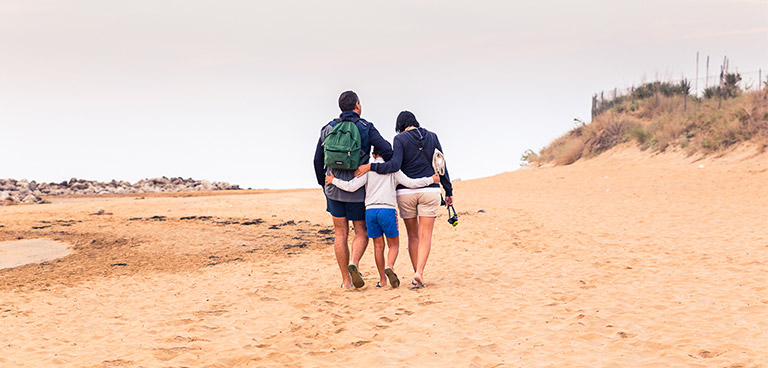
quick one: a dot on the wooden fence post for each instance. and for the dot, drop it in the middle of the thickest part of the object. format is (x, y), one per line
(697, 74)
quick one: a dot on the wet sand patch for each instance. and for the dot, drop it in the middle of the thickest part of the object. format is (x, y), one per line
(20, 252)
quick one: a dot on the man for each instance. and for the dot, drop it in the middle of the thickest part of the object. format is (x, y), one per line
(349, 206)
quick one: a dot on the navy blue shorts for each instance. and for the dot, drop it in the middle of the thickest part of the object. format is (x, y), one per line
(353, 211)
(381, 221)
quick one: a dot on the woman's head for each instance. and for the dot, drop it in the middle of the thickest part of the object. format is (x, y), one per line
(404, 120)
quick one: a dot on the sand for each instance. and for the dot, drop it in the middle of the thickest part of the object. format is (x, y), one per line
(21, 252)
(625, 260)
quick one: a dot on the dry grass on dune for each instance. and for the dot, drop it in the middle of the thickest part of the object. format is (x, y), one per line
(696, 125)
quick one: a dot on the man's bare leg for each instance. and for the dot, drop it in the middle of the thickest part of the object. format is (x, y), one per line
(341, 248)
(360, 242)
(412, 227)
(426, 225)
(378, 254)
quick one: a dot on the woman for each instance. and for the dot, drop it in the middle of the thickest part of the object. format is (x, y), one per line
(413, 149)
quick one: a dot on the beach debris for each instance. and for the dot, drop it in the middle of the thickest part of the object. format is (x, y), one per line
(222, 261)
(291, 246)
(196, 218)
(252, 222)
(101, 211)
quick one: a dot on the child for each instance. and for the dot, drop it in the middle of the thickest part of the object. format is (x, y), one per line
(381, 215)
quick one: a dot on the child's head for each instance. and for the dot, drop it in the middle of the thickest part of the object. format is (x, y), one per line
(376, 153)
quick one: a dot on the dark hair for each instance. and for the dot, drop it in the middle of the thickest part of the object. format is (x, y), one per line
(348, 100)
(404, 120)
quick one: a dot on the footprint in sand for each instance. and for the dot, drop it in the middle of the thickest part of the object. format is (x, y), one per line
(178, 339)
(217, 312)
(165, 354)
(706, 354)
(184, 321)
(429, 302)
(117, 363)
(625, 335)
(403, 311)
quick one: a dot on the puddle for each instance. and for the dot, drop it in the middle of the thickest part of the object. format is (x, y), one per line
(20, 252)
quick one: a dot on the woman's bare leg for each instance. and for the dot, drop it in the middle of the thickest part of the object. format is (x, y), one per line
(412, 227)
(426, 225)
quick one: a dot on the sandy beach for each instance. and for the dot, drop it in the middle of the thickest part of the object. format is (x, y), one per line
(625, 260)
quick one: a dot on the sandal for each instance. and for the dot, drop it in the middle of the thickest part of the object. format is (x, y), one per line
(392, 276)
(357, 277)
(417, 286)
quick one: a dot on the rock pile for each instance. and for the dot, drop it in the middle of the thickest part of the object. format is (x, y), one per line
(23, 191)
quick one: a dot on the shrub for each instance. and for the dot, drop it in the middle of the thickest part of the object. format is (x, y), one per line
(570, 152)
(529, 157)
(640, 134)
(659, 122)
(729, 87)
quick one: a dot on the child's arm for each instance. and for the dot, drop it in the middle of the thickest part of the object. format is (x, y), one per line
(403, 179)
(347, 186)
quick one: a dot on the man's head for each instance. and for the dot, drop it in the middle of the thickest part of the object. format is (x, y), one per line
(348, 101)
(404, 120)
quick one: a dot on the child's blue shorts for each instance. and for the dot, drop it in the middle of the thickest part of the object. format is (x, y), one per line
(381, 221)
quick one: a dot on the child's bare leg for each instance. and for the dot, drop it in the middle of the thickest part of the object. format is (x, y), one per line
(378, 254)
(394, 249)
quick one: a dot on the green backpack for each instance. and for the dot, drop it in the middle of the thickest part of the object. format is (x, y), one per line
(342, 146)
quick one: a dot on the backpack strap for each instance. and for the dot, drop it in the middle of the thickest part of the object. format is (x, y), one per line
(424, 154)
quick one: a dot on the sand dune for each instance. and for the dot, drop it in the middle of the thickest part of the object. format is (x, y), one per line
(625, 260)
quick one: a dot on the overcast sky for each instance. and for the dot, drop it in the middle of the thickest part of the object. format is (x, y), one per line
(237, 91)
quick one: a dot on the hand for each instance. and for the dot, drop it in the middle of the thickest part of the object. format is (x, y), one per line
(449, 201)
(362, 169)
(436, 179)
(329, 178)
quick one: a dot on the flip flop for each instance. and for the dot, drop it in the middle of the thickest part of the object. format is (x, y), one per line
(357, 277)
(378, 285)
(417, 286)
(392, 276)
